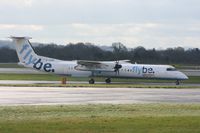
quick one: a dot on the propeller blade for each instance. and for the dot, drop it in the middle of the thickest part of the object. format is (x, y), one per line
(117, 67)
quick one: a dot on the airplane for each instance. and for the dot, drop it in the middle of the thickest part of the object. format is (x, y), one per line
(84, 68)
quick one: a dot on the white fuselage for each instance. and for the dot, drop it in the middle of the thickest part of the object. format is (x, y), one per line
(128, 70)
(120, 69)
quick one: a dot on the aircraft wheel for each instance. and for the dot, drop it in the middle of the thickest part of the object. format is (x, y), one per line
(177, 82)
(108, 80)
(91, 81)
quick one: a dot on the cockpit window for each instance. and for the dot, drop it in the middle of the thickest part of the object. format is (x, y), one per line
(171, 69)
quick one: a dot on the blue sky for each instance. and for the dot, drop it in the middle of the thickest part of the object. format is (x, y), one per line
(148, 23)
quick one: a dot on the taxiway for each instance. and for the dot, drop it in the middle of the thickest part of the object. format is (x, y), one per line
(61, 95)
(29, 82)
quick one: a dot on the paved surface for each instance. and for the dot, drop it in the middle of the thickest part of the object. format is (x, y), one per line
(191, 72)
(27, 82)
(58, 95)
(188, 72)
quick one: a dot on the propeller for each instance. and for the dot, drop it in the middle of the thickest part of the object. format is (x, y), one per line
(117, 67)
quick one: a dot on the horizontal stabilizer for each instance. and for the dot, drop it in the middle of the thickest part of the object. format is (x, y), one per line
(19, 38)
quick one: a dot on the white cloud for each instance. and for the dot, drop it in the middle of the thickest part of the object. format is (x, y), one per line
(98, 11)
(151, 23)
(150, 35)
(21, 27)
(16, 3)
(112, 29)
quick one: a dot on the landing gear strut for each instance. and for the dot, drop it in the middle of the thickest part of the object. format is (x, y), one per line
(91, 81)
(108, 80)
(177, 82)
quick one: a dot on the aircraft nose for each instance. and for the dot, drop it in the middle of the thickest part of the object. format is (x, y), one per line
(183, 76)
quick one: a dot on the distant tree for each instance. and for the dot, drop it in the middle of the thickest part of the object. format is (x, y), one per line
(8, 55)
(120, 51)
(88, 51)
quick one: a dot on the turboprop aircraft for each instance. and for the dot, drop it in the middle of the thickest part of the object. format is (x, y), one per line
(84, 68)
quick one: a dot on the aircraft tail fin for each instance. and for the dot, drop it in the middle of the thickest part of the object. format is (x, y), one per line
(24, 50)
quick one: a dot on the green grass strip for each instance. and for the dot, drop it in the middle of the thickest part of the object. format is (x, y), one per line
(137, 118)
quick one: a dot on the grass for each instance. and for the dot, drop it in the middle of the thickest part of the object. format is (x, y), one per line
(36, 77)
(10, 65)
(137, 118)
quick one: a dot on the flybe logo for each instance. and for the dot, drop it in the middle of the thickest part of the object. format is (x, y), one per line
(137, 70)
(142, 70)
(27, 55)
(46, 66)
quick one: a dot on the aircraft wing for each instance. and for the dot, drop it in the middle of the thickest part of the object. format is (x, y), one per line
(85, 65)
(89, 63)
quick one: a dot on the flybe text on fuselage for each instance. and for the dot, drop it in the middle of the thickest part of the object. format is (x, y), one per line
(145, 71)
(29, 59)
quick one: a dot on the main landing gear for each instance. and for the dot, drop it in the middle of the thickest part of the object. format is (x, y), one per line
(177, 82)
(91, 81)
(107, 80)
